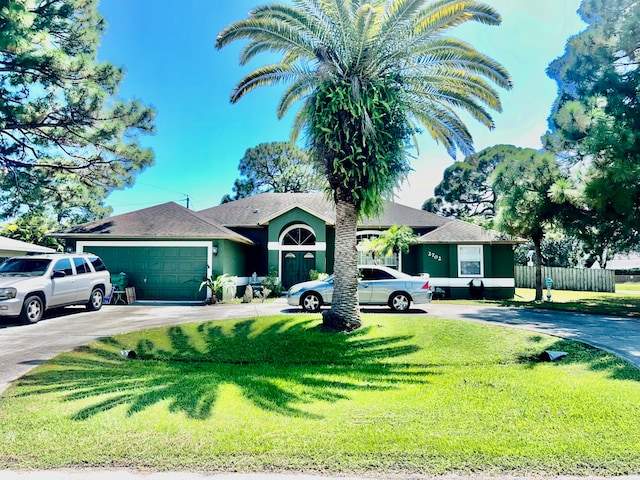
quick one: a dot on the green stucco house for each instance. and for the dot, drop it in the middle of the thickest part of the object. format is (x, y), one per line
(167, 250)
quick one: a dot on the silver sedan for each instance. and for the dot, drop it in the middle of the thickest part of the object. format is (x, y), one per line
(377, 285)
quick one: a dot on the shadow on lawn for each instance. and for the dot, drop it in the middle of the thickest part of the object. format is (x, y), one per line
(593, 358)
(281, 368)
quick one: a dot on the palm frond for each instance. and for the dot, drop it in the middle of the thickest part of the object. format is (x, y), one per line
(253, 48)
(366, 28)
(398, 14)
(443, 15)
(445, 127)
(277, 35)
(452, 51)
(300, 122)
(310, 24)
(455, 79)
(268, 75)
(297, 90)
(460, 100)
(341, 16)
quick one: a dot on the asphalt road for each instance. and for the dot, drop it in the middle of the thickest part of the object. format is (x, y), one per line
(22, 347)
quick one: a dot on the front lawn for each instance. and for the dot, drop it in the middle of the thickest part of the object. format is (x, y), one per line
(629, 286)
(402, 395)
(585, 302)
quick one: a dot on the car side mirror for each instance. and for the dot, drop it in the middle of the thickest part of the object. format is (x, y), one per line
(58, 274)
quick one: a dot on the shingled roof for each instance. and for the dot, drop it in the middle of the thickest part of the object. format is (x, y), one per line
(262, 208)
(459, 232)
(173, 221)
(168, 220)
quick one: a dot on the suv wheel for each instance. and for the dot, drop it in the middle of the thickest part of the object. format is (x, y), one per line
(95, 300)
(32, 309)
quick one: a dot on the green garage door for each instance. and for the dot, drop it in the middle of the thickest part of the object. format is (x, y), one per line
(158, 273)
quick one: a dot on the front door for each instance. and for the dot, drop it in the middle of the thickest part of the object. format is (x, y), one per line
(296, 267)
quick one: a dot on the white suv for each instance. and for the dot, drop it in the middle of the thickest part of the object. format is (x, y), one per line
(31, 284)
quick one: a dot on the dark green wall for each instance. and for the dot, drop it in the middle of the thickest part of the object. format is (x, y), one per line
(331, 242)
(256, 256)
(231, 258)
(293, 216)
(434, 260)
(502, 261)
(441, 261)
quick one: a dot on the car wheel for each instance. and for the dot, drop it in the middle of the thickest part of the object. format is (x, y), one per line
(32, 309)
(399, 302)
(95, 300)
(311, 302)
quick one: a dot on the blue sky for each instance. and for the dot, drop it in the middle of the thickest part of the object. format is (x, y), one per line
(167, 50)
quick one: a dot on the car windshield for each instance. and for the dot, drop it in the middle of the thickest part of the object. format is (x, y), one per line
(33, 267)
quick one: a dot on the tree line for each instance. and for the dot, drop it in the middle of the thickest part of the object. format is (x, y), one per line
(579, 196)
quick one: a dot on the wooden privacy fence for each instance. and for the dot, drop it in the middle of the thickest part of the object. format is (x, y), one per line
(581, 279)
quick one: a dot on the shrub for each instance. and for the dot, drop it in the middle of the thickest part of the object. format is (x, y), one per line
(272, 283)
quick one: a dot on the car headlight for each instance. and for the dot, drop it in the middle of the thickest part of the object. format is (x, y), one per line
(7, 293)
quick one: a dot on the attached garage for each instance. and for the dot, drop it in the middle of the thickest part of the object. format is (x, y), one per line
(158, 270)
(165, 251)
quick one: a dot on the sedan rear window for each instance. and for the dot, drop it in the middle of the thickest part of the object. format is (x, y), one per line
(375, 274)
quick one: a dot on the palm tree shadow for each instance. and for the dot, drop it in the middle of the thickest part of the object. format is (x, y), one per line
(282, 367)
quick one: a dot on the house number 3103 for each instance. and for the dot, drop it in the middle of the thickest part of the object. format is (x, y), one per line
(435, 256)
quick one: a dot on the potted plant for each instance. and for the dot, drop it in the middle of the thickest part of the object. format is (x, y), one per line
(217, 286)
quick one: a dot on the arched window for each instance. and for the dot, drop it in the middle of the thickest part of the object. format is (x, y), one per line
(298, 235)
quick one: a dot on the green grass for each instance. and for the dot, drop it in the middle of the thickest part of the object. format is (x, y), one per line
(630, 286)
(403, 394)
(617, 304)
(585, 302)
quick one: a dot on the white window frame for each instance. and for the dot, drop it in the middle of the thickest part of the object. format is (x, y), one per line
(480, 249)
(300, 226)
(364, 258)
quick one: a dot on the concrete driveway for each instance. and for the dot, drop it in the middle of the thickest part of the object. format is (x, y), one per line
(22, 347)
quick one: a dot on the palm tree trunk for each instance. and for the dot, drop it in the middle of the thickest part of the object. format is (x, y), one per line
(344, 314)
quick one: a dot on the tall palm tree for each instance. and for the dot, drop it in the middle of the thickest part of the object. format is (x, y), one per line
(368, 73)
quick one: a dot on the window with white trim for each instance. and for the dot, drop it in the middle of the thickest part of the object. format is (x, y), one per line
(365, 257)
(470, 261)
(298, 235)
